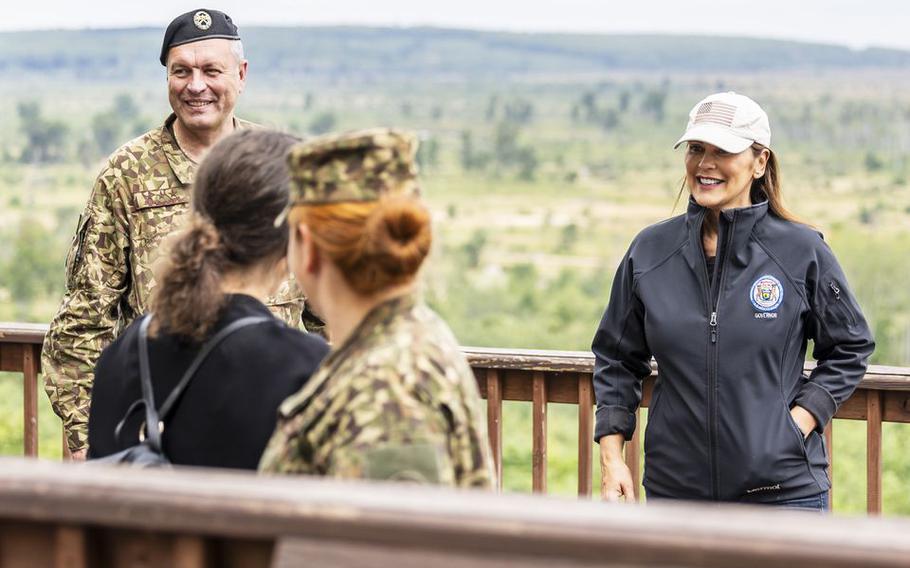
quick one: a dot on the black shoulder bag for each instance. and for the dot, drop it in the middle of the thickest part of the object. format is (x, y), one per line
(149, 452)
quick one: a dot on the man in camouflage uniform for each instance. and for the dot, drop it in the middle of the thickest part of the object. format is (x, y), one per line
(396, 400)
(138, 199)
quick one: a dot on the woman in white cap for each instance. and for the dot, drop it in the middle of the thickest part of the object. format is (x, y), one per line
(725, 298)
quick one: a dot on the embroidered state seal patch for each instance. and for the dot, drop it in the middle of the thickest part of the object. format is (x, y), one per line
(767, 293)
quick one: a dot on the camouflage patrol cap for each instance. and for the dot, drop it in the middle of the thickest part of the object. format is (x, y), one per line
(363, 165)
(197, 25)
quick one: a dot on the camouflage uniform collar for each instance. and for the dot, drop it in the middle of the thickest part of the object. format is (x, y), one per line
(380, 313)
(367, 328)
(184, 168)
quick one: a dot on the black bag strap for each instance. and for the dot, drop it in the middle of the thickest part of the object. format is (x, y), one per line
(153, 434)
(155, 417)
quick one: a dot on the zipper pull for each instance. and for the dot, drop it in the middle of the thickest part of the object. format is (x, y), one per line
(713, 325)
(835, 289)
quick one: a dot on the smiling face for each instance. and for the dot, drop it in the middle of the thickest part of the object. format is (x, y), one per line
(204, 79)
(720, 180)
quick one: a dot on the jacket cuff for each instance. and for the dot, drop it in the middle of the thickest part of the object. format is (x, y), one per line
(614, 420)
(818, 402)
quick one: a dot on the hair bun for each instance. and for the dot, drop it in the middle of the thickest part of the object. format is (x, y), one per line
(398, 236)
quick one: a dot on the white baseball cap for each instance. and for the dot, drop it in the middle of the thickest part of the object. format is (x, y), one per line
(730, 121)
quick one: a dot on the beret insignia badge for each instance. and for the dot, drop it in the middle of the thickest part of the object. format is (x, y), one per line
(203, 20)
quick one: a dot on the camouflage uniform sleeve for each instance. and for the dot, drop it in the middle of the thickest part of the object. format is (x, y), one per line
(387, 433)
(381, 433)
(96, 279)
(413, 456)
(289, 305)
(287, 451)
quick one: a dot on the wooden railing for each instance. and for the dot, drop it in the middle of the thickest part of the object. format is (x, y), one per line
(20, 351)
(541, 378)
(79, 516)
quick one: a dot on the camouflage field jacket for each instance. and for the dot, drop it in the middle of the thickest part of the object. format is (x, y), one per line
(139, 198)
(396, 401)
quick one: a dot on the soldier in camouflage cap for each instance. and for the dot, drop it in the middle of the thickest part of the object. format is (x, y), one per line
(140, 197)
(395, 399)
(358, 166)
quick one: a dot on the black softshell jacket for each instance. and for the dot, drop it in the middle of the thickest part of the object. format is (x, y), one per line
(730, 355)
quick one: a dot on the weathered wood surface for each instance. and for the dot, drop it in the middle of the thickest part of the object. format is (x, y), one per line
(17, 332)
(331, 523)
(878, 377)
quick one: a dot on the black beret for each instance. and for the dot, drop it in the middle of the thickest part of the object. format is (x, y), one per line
(197, 25)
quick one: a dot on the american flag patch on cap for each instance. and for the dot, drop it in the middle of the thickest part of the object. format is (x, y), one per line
(716, 112)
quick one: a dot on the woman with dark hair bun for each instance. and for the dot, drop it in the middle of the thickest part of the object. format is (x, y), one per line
(219, 270)
(396, 399)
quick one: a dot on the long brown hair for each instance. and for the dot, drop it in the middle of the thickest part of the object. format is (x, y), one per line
(376, 244)
(240, 188)
(768, 186)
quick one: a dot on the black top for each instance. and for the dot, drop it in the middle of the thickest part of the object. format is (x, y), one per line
(228, 412)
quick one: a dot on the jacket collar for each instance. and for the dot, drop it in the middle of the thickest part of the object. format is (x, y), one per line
(375, 323)
(740, 220)
(181, 164)
(183, 167)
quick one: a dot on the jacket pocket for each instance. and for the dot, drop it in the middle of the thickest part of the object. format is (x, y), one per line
(77, 250)
(157, 213)
(776, 456)
(837, 306)
(801, 439)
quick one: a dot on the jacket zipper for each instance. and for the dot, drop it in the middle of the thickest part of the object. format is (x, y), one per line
(720, 274)
(841, 306)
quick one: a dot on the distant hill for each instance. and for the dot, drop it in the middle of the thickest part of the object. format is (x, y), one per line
(364, 54)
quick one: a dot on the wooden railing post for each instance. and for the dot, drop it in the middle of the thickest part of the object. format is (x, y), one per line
(190, 552)
(70, 548)
(31, 355)
(874, 452)
(632, 455)
(494, 422)
(585, 432)
(539, 433)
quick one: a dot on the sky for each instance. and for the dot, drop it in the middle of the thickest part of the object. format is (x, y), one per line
(858, 24)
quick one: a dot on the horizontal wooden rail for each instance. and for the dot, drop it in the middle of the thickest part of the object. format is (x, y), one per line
(542, 377)
(57, 514)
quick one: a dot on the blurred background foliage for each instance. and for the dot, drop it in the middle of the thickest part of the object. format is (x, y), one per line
(542, 156)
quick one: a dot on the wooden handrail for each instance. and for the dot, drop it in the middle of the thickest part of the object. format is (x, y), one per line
(878, 377)
(90, 511)
(14, 332)
(542, 377)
